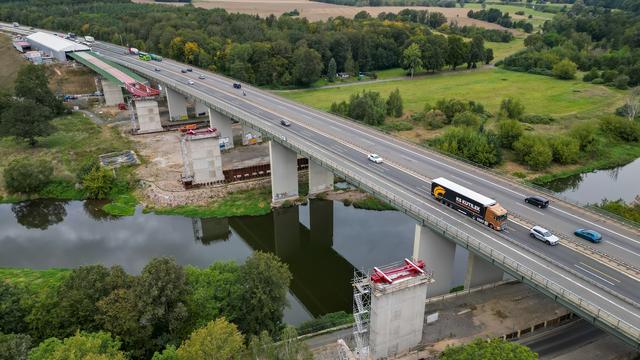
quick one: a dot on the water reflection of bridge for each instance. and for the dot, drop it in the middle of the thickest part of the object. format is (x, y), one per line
(321, 276)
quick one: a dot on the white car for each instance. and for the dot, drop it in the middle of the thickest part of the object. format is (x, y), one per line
(190, 82)
(543, 235)
(375, 158)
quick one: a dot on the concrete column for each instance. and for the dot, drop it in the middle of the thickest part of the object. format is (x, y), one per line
(250, 136)
(480, 272)
(438, 254)
(224, 126)
(284, 173)
(177, 105)
(202, 159)
(112, 93)
(286, 232)
(320, 179)
(200, 109)
(321, 222)
(148, 116)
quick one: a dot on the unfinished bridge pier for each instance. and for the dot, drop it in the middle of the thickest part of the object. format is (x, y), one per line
(112, 93)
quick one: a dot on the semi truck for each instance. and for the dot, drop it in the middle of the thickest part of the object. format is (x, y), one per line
(470, 203)
(89, 39)
(144, 56)
(132, 51)
(155, 57)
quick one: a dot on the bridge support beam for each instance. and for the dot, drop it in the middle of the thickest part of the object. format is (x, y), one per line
(112, 93)
(224, 126)
(438, 254)
(480, 272)
(148, 116)
(320, 179)
(177, 104)
(284, 173)
(200, 109)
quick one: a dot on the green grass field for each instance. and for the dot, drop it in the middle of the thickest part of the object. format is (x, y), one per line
(539, 94)
(31, 279)
(538, 18)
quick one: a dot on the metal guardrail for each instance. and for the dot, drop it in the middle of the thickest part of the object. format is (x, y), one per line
(628, 332)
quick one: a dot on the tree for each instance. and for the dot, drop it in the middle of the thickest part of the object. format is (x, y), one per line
(451, 107)
(467, 118)
(218, 340)
(350, 65)
(394, 104)
(14, 346)
(511, 108)
(332, 70)
(81, 346)
(288, 348)
(469, 144)
(412, 58)
(509, 131)
(32, 84)
(476, 52)
(13, 310)
(434, 52)
(632, 104)
(170, 353)
(25, 119)
(362, 15)
(565, 150)
(565, 69)
(368, 107)
(456, 51)
(27, 175)
(307, 65)
(587, 136)
(97, 184)
(264, 296)
(488, 56)
(488, 349)
(533, 151)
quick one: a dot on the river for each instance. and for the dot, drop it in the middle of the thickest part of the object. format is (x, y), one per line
(321, 242)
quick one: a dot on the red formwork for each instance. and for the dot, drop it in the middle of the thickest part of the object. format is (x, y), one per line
(392, 274)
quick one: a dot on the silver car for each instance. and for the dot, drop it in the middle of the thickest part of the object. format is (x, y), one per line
(544, 235)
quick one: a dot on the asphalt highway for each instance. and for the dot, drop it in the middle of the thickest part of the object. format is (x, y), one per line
(406, 174)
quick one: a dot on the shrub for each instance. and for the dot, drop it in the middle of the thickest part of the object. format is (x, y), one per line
(396, 126)
(621, 128)
(609, 75)
(591, 75)
(565, 69)
(467, 118)
(533, 151)
(98, 183)
(451, 107)
(511, 108)
(87, 166)
(621, 82)
(565, 150)
(597, 81)
(394, 104)
(26, 175)
(434, 119)
(537, 119)
(469, 144)
(509, 131)
(586, 134)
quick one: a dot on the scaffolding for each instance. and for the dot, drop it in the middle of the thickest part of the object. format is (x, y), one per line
(361, 313)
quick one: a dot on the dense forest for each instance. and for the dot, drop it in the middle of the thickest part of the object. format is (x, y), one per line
(603, 42)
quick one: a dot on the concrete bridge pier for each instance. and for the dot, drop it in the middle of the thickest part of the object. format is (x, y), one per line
(201, 158)
(480, 272)
(224, 126)
(284, 173)
(177, 104)
(200, 109)
(320, 179)
(112, 93)
(438, 254)
(321, 222)
(148, 116)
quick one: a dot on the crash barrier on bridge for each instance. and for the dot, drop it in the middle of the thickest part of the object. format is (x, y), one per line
(257, 171)
(541, 325)
(584, 308)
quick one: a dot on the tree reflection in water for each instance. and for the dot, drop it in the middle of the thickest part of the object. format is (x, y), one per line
(39, 214)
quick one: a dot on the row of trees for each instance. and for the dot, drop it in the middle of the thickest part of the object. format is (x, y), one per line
(369, 107)
(155, 310)
(494, 15)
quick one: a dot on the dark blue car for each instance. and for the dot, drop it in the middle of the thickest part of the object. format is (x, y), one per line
(590, 235)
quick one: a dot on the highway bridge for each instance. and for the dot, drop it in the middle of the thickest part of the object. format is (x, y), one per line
(599, 282)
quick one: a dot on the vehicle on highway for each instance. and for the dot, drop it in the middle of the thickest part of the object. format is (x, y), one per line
(144, 56)
(189, 69)
(237, 86)
(468, 202)
(190, 82)
(201, 77)
(155, 57)
(285, 122)
(156, 69)
(375, 158)
(15, 24)
(184, 71)
(590, 235)
(133, 51)
(538, 201)
(544, 235)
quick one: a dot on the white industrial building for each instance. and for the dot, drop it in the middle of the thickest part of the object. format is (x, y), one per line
(54, 46)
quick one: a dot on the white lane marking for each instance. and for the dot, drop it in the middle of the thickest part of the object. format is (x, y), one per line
(600, 272)
(487, 236)
(594, 224)
(623, 248)
(407, 158)
(529, 208)
(460, 179)
(595, 275)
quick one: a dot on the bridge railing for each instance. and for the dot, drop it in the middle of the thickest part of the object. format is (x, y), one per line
(307, 149)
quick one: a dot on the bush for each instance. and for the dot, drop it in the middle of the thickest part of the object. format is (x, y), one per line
(597, 81)
(26, 175)
(451, 107)
(467, 118)
(394, 104)
(434, 119)
(396, 126)
(469, 144)
(586, 134)
(326, 321)
(511, 108)
(537, 119)
(565, 150)
(98, 183)
(609, 75)
(509, 131)
(533, 151)
(591, 75)
(621, 128)
(565, 69)
(368, 107)
(621, 82)
(87, 166)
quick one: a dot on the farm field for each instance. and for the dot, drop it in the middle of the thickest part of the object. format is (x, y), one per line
(539, 94)
(538, 17)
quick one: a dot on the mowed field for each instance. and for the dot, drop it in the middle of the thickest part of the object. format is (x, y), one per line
(537, 17)
(539, 94)
(321, 11)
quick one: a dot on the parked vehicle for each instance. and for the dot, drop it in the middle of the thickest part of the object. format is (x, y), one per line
(544, 235)
(538, 201)
(590, 235)
(468, 202)
(237, 86)
(285, 122)
(375, 158)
